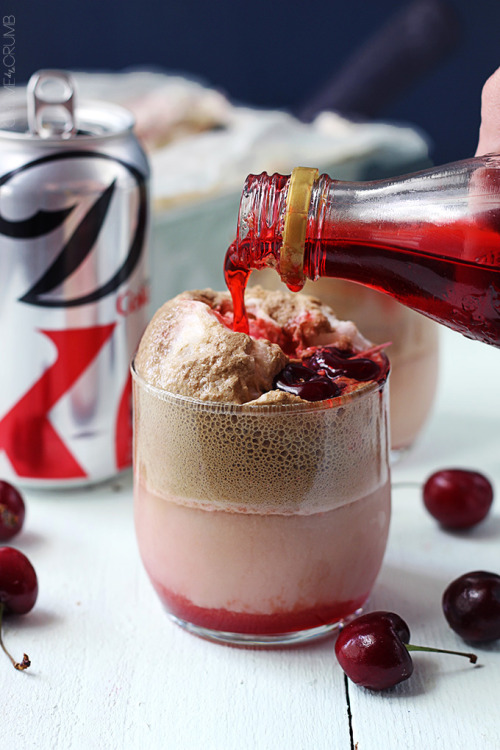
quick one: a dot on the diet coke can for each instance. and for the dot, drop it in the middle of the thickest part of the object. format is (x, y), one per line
(74, 285)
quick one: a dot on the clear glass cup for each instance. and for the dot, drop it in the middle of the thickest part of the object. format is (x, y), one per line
(261, 525)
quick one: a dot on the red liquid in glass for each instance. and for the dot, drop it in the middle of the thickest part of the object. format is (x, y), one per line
(446, 272)
(263, 624)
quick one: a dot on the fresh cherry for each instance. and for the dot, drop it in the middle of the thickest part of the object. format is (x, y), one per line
(471, 605)
(373, 650)
(12, 511)
(18, 590)
(458, 498)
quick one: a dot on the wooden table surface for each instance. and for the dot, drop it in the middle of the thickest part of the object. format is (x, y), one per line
(109, 670)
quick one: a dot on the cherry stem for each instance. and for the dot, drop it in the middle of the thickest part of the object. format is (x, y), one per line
(25, 663)
(471, 657)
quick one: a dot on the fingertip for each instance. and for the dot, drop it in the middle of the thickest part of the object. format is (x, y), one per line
(489, 132)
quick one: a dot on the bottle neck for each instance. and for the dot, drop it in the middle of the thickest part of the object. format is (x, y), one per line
(261, 219)
(259, 237)
(276, 214)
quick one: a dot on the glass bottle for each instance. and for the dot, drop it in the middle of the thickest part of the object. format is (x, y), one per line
(431, 239)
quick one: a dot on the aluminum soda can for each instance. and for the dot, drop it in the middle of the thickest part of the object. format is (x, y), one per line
(74, 286)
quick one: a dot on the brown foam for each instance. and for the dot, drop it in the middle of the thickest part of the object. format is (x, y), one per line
(278, 454)
(263, 459)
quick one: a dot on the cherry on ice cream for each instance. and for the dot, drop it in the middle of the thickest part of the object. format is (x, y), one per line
(317, 376)
(305, 382)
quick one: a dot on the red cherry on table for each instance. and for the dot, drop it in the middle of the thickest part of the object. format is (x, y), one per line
(18, 590)
(12, 511)
(373, 650)
(458, 498)
(471, 606)
(18, 582)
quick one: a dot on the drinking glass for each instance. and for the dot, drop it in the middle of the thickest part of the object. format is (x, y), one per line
(261, 524)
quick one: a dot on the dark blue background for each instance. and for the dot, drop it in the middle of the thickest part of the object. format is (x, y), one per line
(250, 51)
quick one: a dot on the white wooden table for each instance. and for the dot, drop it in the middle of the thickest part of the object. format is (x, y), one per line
(109, 671)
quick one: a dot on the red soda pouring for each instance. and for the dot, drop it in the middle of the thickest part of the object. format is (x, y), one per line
(431, 239)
